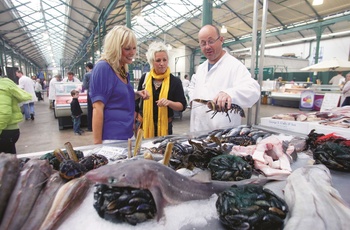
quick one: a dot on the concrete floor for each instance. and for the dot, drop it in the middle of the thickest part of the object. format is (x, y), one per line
(43, 133)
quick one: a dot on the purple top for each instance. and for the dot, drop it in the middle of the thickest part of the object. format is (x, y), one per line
(119, 101)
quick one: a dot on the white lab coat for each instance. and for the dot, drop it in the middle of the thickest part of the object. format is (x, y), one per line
(75, 79)
(230, 76)
(27, 85)
(185, 84)
(52, 89)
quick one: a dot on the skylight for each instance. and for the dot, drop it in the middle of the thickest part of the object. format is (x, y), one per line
(44, 23)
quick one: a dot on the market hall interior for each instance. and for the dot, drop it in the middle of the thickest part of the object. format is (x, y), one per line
(43, 133)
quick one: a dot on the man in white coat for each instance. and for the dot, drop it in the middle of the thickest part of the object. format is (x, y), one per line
(27, 85)
(221, 78)
(52, 89)
(70, 78)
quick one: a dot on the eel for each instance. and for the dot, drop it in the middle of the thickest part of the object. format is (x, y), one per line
(167, 186)
(313, 202)
(9, 172)
(44, 202)
(31, 180)
(67, 199)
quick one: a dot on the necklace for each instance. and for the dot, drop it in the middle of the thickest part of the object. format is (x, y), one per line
(122, 72)
(157, 84)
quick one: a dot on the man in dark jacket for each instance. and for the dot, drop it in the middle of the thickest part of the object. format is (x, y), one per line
(86, 84)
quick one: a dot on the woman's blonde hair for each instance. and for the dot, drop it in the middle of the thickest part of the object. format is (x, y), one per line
(154, 48)
(115, 40)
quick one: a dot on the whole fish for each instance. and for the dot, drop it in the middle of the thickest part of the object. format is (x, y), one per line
(167, 186)
(31, 180)
(68, 197)
(313, 202)
(44, 201)
(9, 171)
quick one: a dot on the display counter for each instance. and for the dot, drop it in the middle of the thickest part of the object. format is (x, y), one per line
(302, 127)
(188, 215)
(289, 95)
(62, 103)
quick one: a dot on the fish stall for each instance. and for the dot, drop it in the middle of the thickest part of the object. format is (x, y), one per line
(335, 120)
(235, 178)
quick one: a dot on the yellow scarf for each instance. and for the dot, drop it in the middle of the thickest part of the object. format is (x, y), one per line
(148, 124)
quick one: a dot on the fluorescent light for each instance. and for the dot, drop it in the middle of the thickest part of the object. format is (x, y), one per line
(223, 29)
(169, 47)
(317, 2)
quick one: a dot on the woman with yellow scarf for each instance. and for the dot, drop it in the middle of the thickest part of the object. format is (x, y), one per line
(166, 93)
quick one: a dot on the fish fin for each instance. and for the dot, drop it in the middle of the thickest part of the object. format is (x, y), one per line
(159, 200)
(203, 176)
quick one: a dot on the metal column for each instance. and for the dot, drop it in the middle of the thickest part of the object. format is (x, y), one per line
(262, 53)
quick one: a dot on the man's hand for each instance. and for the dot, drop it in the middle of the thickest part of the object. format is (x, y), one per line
(221, 99)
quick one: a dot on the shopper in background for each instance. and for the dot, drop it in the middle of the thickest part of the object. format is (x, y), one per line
(33, 79)
(27, 85)
(166, 93)
(112, 95)
(10, 113)
(38, 90)
(70, 78)
(86, 82)
(338, 79)
(52, 89)
(223, 79)
(76, 112)
(185, 84)
(346, 91)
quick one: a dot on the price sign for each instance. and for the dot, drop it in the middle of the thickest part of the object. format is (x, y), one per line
(330, 101)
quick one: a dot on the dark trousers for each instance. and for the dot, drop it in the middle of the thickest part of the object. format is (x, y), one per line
(39, 96)
(8, 139)
(76, 123)
(89, 113)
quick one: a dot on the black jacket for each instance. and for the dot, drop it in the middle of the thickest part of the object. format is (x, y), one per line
(176, 93)
(75, 107)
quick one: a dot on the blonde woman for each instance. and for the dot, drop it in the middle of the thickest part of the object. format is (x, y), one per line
(166, 93)
(112, 95)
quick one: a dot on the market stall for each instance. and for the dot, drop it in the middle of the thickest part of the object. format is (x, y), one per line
(62, 103)
(290, 94)
(187, 215)
(335, 120)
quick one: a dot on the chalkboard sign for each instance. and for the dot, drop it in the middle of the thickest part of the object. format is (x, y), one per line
(330, 101)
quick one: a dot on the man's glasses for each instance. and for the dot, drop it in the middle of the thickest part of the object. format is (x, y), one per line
(209, 42)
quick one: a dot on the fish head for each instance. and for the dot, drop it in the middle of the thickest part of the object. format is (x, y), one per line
(121, 175)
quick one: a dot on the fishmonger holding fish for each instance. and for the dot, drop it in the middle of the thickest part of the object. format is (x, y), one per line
(222, 79)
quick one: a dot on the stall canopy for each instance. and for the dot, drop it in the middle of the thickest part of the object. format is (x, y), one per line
(334, 64)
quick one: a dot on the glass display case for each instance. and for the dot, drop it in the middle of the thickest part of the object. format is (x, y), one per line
(62, 102)
(289, 95)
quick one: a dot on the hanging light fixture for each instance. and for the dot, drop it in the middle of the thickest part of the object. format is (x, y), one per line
(223, 29)
(317, 2)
